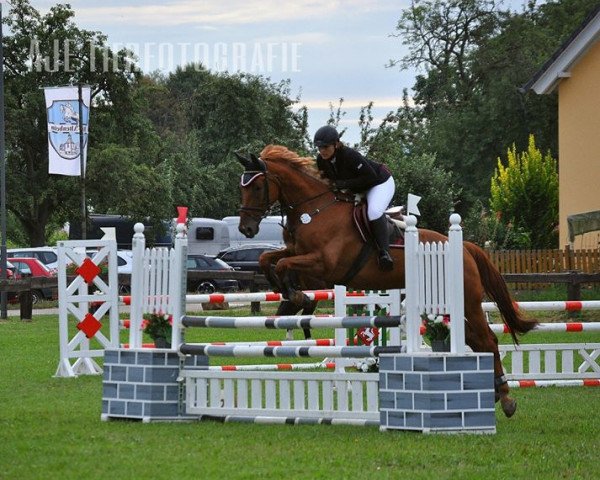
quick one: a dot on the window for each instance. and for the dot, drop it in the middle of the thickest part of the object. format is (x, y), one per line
(22, 267)
(205, 233)
(202, 263)
(198, 263)
(49, 257)
(254, 254)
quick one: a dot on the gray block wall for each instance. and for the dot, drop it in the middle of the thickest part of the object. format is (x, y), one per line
(437, 392)
(141, 384)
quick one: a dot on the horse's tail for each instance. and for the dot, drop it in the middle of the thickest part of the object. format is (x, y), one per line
(495, 286)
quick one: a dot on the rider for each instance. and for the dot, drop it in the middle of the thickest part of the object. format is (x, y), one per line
(348, 169)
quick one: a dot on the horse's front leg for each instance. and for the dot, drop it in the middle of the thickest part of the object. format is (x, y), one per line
(267, 262)
(287, 269)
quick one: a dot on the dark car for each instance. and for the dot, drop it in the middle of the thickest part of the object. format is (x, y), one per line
(204, 263)
(245, 257)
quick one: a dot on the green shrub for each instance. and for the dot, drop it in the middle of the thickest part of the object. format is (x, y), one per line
(524, 195)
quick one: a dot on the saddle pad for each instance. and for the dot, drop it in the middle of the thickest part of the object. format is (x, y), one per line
(361, 221)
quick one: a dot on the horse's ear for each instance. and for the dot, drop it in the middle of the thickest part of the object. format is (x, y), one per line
(246, 163)
(258, 163)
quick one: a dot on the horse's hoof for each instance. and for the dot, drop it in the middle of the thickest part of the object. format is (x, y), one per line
(509, 407)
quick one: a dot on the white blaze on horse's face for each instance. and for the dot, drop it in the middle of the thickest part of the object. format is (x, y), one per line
(255, 202)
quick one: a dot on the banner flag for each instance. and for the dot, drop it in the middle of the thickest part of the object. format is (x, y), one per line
(62, 106)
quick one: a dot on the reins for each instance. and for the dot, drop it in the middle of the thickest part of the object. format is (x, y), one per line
(287, 207)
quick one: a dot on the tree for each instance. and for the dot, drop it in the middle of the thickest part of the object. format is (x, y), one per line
(419, 175)
(47, 50)
(441, 36)
(221, 113)
(230, 111)
(524, 193)
(475, 59)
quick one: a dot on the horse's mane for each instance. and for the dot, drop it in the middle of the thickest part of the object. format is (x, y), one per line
(281, 154)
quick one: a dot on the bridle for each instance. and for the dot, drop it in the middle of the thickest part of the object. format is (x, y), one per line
(258, 213)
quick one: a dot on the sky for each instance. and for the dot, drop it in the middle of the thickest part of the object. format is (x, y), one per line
(327, 49)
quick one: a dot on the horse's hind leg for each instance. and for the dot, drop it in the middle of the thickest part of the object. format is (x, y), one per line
(480, 338)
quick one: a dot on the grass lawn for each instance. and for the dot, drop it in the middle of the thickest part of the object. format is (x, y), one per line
(50, 428)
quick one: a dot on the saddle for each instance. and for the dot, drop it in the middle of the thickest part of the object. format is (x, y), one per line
(396, 224)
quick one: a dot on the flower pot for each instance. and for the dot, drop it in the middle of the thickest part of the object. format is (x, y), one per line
(440, 345)
(161, 342)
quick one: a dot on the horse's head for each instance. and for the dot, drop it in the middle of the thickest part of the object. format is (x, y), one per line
(291, 180)
(258, 194)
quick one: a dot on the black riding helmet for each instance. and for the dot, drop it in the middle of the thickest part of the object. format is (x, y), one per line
(326, 135)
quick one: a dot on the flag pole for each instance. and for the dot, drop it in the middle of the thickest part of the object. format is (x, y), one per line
(3, 275)
(82, 167)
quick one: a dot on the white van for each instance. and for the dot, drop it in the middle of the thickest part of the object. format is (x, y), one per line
(270, 231)
(207, 236)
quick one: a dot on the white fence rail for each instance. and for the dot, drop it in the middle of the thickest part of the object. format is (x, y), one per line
(332, 396)
(559, 361)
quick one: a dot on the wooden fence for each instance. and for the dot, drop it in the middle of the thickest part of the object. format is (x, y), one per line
(546, 261)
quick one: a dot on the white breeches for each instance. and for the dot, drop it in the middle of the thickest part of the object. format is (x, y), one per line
(379, 198)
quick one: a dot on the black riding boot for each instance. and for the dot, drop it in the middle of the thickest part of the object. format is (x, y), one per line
(381, 234)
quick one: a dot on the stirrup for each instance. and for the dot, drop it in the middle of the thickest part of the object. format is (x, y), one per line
(386, 263)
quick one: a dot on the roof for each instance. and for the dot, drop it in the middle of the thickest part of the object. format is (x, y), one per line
(560, 64)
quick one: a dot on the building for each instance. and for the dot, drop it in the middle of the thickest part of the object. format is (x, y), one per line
(573, 72)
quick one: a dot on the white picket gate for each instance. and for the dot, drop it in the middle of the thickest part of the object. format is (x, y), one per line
(339, 397)
(158, 283)
(434, 283)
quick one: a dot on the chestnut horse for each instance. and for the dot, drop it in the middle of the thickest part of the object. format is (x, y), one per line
(326, 243)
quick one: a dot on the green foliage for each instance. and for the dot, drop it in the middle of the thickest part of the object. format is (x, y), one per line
(57, 236)
(474, 57)
(158, 325)
(488, 231)
(437, 327)
(35, 52)
(416, 174)
(137, 189)
(231, 111)
(155, 142)
(524, 193)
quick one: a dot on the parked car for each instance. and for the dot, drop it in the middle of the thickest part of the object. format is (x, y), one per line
(245, 257)
(32, 267)
(124, 267)
(47, 255)
(124, 260)
(203, 263)
(10, 271)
